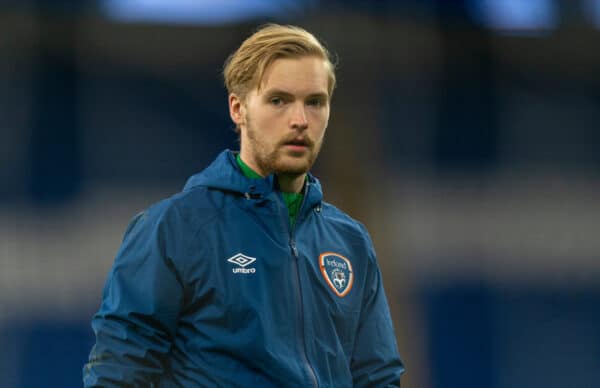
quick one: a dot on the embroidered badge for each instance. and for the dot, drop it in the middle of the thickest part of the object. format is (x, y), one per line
(337, 271)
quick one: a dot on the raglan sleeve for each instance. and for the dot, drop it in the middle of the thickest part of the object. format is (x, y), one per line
(375, 360)
(137, 319)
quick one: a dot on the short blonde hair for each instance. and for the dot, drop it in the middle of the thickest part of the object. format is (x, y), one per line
(245, 68)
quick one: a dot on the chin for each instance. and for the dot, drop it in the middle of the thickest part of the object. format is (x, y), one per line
(293, 167)
(289, 170)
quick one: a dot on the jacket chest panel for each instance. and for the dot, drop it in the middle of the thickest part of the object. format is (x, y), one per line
(335, 266)
(319, 274)
(245, 272)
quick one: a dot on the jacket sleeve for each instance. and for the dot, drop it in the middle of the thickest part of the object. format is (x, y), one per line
(375, 360)
(137, 319)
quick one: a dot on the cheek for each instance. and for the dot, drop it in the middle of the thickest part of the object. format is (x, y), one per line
(268, 121)
(320, 120)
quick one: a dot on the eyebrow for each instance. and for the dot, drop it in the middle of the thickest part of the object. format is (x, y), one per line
(283, 93)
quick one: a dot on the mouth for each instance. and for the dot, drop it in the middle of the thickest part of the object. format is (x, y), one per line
(298, 144)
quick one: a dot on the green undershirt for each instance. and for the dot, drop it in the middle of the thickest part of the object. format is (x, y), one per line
(293, 201)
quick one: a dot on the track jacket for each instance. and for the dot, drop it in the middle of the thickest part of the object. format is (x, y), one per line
(213, 288)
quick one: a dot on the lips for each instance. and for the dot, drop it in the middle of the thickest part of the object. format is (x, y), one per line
(302, 142)
(297, 144)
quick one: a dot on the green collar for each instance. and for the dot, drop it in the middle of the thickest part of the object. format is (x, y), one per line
(248, 172)
(293, 201)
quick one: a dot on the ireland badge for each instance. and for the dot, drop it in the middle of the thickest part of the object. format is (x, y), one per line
(337, 271)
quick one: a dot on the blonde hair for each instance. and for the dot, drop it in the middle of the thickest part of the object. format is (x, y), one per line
(245, 68)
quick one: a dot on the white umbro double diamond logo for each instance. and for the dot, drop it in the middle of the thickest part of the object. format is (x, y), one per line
(242, 261)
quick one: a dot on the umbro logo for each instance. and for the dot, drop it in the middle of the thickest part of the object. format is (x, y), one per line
(242, 261)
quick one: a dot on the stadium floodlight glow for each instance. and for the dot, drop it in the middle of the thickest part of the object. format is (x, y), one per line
(592, 11)
(196, 11)
(516, 17)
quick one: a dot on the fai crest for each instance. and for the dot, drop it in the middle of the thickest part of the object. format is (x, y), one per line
(337, 271)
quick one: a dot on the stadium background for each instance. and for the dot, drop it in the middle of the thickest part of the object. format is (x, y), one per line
(465, 134)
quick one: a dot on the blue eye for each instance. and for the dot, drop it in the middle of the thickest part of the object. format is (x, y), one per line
(315, 102)
(276, 101)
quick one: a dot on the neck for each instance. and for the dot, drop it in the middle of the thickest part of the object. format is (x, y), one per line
(289, 183)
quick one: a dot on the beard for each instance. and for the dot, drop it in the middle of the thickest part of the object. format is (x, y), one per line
(277, 159)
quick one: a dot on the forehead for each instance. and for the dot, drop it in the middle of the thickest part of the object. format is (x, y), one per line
(304, 75)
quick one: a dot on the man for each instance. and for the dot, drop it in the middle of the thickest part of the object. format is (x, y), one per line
(247, 278)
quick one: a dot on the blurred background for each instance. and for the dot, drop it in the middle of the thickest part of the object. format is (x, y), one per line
(464, 134)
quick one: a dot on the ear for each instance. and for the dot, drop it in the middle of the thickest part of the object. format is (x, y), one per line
(236, 109)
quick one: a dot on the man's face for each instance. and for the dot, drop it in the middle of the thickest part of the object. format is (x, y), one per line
(282, 125)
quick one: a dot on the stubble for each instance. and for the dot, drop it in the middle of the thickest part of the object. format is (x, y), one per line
(272, 160)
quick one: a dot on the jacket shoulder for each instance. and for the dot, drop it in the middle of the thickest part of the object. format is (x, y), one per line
(346, 223)
(193, 207)
(199, 205)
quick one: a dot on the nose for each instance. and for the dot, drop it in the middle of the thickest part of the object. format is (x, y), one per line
(298, 120)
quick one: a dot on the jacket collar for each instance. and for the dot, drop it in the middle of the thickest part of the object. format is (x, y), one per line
(224, 174)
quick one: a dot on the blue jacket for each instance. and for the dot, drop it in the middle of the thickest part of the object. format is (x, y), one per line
(213, 287)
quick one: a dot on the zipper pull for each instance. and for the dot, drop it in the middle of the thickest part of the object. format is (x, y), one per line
(294, 249)
(249, 195)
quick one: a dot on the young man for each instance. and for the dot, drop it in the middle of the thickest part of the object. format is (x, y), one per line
(247, 278)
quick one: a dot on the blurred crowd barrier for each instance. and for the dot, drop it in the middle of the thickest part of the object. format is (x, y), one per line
(468, 145)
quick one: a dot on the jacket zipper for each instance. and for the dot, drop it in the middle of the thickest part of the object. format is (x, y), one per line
(292, 243)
